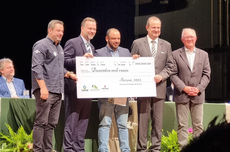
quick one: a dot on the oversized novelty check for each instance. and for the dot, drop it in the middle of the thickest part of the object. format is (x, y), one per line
(109, 77)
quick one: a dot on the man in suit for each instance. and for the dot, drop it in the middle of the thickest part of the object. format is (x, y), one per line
(106, 106)
(10, 87)
(77, 111)
(192, 75)
(160, 50)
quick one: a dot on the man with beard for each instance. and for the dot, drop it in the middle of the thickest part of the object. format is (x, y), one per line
(106, 106)
(77, 111)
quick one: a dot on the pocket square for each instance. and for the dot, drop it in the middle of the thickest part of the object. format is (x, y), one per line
(163, 52)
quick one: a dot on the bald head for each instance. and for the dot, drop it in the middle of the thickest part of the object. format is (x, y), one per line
(113, 38)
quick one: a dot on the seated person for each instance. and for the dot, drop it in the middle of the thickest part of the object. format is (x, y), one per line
(10, 86)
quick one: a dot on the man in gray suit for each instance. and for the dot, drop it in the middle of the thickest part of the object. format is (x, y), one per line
(192, 75)
(160, 50)
(77, 111)
(106, 106)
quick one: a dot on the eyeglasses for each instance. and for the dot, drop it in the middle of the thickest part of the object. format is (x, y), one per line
(189, 37)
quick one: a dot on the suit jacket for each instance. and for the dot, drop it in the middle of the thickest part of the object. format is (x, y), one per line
(105, 52)
(199, 77)
(163, 61)
(18, 85)
(73, 47)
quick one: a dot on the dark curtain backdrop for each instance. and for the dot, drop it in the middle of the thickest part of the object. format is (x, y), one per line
(25, 22)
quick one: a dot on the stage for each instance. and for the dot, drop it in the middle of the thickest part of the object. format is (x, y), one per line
(16, 112)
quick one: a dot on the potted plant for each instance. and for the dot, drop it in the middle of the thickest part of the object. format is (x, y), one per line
(170, 143)
(18, 141)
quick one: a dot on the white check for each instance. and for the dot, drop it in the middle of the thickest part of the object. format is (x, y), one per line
(109, 77)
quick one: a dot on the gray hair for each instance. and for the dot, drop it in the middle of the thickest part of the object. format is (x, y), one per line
(52, 23)
(2, 63)
(88, 19)
(187, 29)
(154, 18)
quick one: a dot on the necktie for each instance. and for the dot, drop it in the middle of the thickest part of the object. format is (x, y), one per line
(88, 47)
(154, 52)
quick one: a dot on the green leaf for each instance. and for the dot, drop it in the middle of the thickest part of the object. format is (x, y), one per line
(15, 141)
(170, 143)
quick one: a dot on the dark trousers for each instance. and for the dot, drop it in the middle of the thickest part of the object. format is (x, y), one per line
(47, 114)
(77, 113)
(149, 107)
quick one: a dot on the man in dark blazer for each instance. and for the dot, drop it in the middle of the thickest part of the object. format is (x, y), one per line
(153, 46)
(10, 87)
(108, 108)
(191, 77)
(77, 111)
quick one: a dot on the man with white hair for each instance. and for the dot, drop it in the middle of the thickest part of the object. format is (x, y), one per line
(191, 77)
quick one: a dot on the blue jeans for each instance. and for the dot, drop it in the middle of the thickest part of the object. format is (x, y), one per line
(105, 115)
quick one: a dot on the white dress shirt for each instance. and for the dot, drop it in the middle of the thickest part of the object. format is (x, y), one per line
(87, 45)
(190, 56)
(11, 87)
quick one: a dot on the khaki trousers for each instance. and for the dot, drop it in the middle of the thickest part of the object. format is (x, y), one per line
(183, 110)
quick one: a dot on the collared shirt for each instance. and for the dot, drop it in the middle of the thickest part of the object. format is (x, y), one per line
(190, 56)
(150, 43)
(87, 45)
(11, 87)
(112, 52)
(48, 65)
